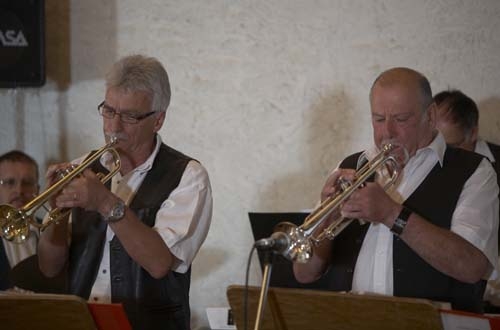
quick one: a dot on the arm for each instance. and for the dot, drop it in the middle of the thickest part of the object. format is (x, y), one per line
(461, 252)
(321, 256)
(147, 246)
(53, 243)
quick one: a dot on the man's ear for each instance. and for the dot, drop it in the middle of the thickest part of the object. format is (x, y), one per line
(474, 133)
(160, 118)
(432, 114)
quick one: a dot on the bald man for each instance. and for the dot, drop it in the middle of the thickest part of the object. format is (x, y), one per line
(431, 235)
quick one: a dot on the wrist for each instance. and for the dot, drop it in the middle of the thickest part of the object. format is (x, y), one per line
(400, 221)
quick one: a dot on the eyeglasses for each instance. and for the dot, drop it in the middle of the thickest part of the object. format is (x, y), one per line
(12, 183)
(128, 118)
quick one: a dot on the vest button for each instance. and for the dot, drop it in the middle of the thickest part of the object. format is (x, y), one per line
(117, 279)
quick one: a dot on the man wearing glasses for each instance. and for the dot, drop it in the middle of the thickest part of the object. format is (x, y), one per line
(18, 186)
(134, 242)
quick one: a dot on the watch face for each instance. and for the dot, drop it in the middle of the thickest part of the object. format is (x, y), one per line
(117, 212)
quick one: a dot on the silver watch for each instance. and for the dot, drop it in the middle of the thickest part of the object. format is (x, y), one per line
(117, 212)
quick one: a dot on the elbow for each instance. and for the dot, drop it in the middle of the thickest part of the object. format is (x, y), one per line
(303, 275)
(474, 273)
(472, 276)
(158, 273)
(160, 269)
(49, 269)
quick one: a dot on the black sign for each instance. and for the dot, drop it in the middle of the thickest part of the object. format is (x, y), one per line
(22, 49)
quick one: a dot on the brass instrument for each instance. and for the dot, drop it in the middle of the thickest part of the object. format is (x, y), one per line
(15, 223)
(295, 242)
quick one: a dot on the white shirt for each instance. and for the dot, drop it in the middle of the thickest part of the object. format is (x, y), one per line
(17, 252)
(182, 221)
(483, 149)
(475, 218)
(492, 292)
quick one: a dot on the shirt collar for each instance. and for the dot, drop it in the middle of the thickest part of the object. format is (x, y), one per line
(435, 149)
(148, 164)
(483, 149)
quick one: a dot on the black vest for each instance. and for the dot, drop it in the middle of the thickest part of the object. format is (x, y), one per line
(4, 269)
(435, 200)
(149, 303)
(495, 150)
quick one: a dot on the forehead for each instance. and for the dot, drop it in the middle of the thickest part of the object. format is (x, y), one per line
(15, 168)
(126, 100)
(395, 99)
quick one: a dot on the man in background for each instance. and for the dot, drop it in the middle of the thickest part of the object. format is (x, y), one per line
(457, 119)
(18, 186)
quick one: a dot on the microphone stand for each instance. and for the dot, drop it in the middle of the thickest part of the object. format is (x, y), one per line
(268, 265)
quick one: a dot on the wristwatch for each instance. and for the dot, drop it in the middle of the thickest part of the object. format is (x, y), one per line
(117, 212)
(401, 221)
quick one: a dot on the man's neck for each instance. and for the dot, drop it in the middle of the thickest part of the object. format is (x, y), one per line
(131, 160)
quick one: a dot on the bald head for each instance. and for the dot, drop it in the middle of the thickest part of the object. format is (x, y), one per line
(407, 78)
(402, 109)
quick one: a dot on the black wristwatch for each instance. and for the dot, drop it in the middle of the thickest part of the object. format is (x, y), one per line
(117, 212)
(401, 221)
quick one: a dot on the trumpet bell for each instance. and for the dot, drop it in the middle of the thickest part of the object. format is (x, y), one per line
(13, 224)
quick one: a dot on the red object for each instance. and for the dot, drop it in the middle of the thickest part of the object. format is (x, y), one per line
(109, 316)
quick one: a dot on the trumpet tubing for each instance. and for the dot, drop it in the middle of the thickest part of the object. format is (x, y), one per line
(300, 239)
(15, 223)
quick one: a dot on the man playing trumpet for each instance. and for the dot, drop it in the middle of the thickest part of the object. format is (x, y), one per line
(133, 243)
(433, 234)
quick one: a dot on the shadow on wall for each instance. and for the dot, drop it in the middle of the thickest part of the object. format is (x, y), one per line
(213, 259)
(329, 127)
(80, 46)
(489, 120)
(80, 40)
(57, 40)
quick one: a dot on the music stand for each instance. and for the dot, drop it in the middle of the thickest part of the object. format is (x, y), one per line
(44, 312)
(298, 309)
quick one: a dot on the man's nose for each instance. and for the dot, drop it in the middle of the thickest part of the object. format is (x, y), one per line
(390, 127)
(115, 124)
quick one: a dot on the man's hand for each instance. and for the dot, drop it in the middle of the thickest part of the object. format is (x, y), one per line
(85, 191)
(371, 203)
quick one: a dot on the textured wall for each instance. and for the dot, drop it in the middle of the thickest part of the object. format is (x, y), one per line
(268, 95)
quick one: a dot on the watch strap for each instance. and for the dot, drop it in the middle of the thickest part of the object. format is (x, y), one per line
(401, 221)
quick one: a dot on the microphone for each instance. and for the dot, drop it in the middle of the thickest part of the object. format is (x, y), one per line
(278, 242)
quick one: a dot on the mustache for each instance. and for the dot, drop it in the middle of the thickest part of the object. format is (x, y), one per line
(119, 136)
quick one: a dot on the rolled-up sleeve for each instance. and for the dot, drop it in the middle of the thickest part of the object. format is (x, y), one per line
(476, 215)
(184, 218)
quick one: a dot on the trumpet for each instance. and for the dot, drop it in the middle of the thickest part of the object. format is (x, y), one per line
(15, 223)
(296, 242)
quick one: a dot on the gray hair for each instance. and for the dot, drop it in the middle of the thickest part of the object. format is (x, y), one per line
(138, 73)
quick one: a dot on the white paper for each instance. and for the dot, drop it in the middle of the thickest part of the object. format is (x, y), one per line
(464, 322)
(217, 318)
